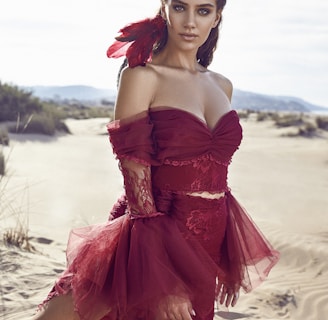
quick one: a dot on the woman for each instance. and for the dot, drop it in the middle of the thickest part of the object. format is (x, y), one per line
(178, 240)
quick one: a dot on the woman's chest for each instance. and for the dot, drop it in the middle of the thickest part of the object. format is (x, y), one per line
(202, 97)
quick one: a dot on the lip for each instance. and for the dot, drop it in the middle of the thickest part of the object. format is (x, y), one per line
(188, 36)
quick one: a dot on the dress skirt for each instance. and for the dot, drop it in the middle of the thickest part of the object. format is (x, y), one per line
(132, 268)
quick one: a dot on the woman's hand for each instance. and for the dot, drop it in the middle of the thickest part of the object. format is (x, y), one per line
(175, 308)
(228, 296)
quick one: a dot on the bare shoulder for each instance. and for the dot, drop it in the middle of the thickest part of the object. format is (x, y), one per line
(135, 91)
(224, 83)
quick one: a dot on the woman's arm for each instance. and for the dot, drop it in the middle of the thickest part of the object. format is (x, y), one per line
(135, 93)
(136, 90)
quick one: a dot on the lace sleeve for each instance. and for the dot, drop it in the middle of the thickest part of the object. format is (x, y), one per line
(138, 188)
(133, 146)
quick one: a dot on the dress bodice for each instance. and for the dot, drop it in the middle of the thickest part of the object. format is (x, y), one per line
(191, 156)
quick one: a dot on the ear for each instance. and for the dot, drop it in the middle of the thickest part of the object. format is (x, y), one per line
(218, 18)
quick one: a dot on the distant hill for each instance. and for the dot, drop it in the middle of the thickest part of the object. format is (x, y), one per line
(240, 100)
(74, 92)
(255, 101)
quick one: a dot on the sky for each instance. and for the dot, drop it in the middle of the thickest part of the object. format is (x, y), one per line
(272, 47)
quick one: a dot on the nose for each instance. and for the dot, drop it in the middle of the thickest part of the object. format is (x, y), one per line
(190, 22)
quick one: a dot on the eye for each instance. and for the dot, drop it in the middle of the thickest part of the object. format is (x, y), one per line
(178, 8)
(204, 11)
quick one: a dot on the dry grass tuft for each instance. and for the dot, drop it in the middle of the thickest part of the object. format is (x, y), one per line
(2, 164)
(14, 212)
(19, 238)
(4, 137)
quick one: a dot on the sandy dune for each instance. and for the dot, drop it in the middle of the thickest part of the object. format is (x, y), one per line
(69, 181)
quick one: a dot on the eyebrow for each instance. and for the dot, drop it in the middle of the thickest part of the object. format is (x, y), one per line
(201, 5)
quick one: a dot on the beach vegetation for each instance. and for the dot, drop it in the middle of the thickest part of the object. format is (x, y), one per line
(15, 101)
(2, 163)
(300, 124)
(24, 113)
(264, 115)
(322, 122)
(308, 130)
(47, 122)
(37, 123)
(14, 215)
(244, 113)
(305, 126)
(288, 120)
(81, 112)
(4, 137)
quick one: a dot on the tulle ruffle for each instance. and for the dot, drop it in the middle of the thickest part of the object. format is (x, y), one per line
(246, 255)
(131, 267)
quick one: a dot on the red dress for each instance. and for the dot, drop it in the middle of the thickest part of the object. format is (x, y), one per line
(161, 241)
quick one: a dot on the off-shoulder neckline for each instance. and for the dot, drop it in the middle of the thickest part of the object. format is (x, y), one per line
(194, 116)
(144, 114)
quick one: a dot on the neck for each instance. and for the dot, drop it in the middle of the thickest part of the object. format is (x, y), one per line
(178, 59)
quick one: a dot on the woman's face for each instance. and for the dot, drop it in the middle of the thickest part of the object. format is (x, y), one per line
(189, 22)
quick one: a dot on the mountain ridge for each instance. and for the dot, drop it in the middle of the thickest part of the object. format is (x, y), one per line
(72, 92)
(241, 99)
(257, 101)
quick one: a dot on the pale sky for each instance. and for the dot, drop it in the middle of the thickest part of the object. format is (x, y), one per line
(273, 47)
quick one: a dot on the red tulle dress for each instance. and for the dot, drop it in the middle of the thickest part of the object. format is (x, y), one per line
(163, 244)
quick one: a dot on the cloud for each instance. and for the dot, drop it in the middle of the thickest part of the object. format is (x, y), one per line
(276, 46)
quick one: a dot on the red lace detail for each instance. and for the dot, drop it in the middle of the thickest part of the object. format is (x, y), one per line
(138, 186)
(197, 162)
(195, 176)
(200, 224)
(137, 41)
(204, 223)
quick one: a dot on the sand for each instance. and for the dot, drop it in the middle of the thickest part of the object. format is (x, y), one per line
(73, 180)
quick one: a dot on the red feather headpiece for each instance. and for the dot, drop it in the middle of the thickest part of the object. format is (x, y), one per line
(136, 41)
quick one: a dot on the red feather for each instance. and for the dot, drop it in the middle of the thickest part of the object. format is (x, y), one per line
(136, 41)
